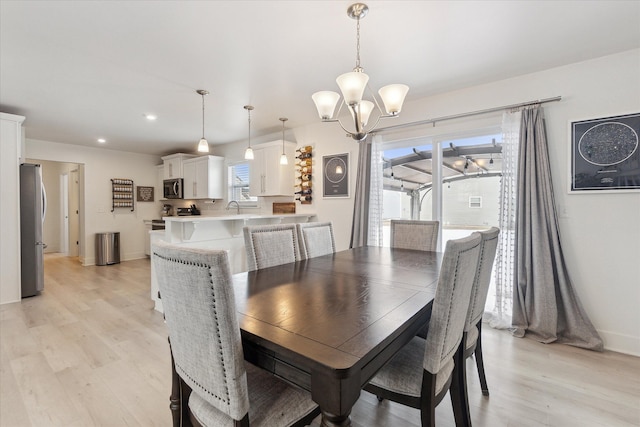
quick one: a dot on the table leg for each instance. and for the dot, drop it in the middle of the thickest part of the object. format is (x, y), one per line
(336, 396)
(331, 420)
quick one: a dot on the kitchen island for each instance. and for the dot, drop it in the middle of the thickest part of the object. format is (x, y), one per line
(216, 232)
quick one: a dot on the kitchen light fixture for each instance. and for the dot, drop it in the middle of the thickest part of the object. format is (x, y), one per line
(203, 145)
(248, 153)
(283, 157)
(102, 140)
(151, 117)
(352, 85)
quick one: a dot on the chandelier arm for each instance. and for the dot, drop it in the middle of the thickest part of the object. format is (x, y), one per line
(356, 118)
(375, 100)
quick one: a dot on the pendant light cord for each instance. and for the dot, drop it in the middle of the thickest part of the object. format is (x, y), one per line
(249, 111)
(203, 116)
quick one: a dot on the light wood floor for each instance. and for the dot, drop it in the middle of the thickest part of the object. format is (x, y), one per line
(92, 351)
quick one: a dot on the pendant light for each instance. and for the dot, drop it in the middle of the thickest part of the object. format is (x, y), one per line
(283, 157)
(203, 145)
(248, 153)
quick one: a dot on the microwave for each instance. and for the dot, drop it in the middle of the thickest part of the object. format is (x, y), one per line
(172, 188)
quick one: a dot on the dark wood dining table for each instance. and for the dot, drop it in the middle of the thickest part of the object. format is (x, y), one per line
(329, 323)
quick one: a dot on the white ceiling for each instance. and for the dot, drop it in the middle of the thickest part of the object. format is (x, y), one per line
(83, 70)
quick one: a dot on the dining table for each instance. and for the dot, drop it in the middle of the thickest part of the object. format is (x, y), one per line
(328, 324)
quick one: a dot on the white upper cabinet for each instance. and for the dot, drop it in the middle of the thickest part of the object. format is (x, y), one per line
(203, 177)
(267, 176)
(173, 165)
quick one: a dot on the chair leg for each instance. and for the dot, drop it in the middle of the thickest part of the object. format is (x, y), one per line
(428, 400)
(480, 362)
(458, 390)
(175, 398)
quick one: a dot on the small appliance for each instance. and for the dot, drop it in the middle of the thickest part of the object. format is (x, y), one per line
(173, 188)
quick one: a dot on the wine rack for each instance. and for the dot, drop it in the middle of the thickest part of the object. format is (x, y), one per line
(121, 193)
(304, 168)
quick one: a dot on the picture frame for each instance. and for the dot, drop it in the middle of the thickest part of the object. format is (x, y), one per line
(605, 154)
(144, 194)
(335, 176)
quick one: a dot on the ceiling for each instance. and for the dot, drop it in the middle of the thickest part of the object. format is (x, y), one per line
(80, 71)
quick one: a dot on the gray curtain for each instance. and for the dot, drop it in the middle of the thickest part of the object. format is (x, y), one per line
(360, 223)
(545, 304)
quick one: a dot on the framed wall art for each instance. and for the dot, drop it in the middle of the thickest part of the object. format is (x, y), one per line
(335, 176)
(144, 194)
(605, 156)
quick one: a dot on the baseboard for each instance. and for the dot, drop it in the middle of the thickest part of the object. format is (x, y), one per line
(86, 262)
(621, 343)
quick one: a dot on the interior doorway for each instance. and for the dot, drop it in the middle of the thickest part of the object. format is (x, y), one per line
(62, 229)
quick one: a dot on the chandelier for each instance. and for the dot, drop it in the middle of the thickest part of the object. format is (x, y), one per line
(353, 85)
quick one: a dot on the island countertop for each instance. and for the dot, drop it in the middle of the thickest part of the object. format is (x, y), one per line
(236, 217)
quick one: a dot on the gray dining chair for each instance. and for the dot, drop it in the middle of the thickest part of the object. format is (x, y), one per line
(422, 372)
(472, 338)
(200, 313)
(316, 239)
(269, 245)
(414, 234)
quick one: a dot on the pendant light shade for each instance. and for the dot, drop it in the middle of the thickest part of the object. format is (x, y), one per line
(326, 102)
(352, 86)
(203, 145)
(248, 153)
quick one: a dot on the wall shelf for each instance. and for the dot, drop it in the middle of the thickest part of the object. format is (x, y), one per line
(304, 166)
(121, 193)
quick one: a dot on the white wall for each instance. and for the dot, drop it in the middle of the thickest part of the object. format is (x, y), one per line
(10, 154)
(100, 165)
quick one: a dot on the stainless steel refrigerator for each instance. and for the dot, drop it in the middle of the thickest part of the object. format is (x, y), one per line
(33, 207)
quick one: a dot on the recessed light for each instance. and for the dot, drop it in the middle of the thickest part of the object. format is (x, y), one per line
(102, 140)
(150, 117)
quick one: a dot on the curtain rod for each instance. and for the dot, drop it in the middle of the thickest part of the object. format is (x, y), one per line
(473, 113)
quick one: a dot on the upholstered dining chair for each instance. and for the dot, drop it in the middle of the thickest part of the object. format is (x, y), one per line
(473, 326)
(269, 245)
(422, 372)
(200, 313)
(414, 234)
(316, 239)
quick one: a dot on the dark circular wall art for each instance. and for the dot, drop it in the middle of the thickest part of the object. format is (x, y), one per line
(608, 143)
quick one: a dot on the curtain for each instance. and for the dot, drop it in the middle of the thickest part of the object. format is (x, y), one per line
(360, 222)
(375, 194)
(545, 304)
(500, 316)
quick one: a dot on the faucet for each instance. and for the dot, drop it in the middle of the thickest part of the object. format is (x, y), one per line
(237, 206)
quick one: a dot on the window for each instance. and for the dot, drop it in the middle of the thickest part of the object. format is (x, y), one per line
(475, 201)
(238, 181)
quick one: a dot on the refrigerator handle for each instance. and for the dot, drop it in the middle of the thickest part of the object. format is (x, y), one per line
(44, 203)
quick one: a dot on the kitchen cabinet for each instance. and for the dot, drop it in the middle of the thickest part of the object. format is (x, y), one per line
(267, 176)
(203, 177)
(159, 182)
(173, 165)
